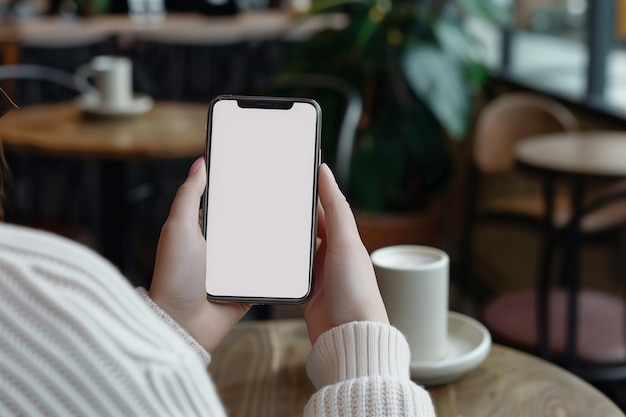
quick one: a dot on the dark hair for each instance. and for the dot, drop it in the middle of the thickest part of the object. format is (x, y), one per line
(4, 181)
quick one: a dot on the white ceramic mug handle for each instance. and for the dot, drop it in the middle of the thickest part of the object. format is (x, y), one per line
(83, 74)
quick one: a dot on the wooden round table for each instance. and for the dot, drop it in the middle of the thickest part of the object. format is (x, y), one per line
(576, 154)
(169, 130)
(259, 370)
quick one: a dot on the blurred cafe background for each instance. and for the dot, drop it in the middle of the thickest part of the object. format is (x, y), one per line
(493, 129)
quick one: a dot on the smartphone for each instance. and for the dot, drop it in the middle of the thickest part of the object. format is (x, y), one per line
(260, 203)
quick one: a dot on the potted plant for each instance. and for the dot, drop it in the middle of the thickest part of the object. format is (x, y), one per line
(416, 69)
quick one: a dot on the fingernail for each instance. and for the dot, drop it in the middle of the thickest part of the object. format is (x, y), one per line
(326, 168)
(196, 165)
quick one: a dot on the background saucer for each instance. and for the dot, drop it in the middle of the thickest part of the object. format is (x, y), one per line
(90, 104)
(469, 343)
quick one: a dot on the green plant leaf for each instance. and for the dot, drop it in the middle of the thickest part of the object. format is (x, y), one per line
(454, 40)
(440, 83)
(487, 10)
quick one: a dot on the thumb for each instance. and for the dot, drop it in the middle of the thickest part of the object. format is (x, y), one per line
(187, 201)
(340, 224)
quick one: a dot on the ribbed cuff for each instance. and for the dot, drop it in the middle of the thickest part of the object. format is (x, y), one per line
(202, 353)
(358, 349)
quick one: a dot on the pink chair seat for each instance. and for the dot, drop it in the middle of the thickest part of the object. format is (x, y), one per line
(600, 339)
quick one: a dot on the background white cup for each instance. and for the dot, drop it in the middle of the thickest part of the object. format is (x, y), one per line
(112, 78)
(146, 10)
(413, 282)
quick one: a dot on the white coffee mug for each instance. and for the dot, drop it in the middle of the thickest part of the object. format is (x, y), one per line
(112, 80)
(413, 282)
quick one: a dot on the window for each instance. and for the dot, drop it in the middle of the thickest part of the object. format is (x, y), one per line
(574, 49)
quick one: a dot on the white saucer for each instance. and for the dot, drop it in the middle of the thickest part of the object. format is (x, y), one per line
(90, 103)
(469, 343)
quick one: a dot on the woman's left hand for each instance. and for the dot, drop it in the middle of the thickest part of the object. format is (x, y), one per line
(178, 283)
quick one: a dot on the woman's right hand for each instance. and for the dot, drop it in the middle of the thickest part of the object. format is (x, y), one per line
(345, 287)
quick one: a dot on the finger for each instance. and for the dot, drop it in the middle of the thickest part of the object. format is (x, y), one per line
(338, 218)
(188, 196)
(321, 222)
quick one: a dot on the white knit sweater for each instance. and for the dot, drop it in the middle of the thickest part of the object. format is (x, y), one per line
(77, 340)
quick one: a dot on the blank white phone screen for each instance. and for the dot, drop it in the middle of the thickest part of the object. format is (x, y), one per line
(260, 200)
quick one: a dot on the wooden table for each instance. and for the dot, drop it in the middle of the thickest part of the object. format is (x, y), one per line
(577, 157)
(176, 27)
(597, 155)
(169, 130)
(259, 371)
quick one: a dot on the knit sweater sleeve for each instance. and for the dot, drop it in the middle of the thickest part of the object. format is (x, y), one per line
(77, 340)
(362, 369)
(204, 356)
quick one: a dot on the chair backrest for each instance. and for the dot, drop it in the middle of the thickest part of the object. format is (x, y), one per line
(38, 72)
(69, 82)
(342, 108)
(511, 118)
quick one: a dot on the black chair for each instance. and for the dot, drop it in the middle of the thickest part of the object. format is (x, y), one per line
(68, 81)
(501, 124)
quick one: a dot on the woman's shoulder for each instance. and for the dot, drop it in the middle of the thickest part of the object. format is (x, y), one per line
(29, 245)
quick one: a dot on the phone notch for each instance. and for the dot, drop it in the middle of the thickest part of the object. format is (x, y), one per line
(265, 103)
